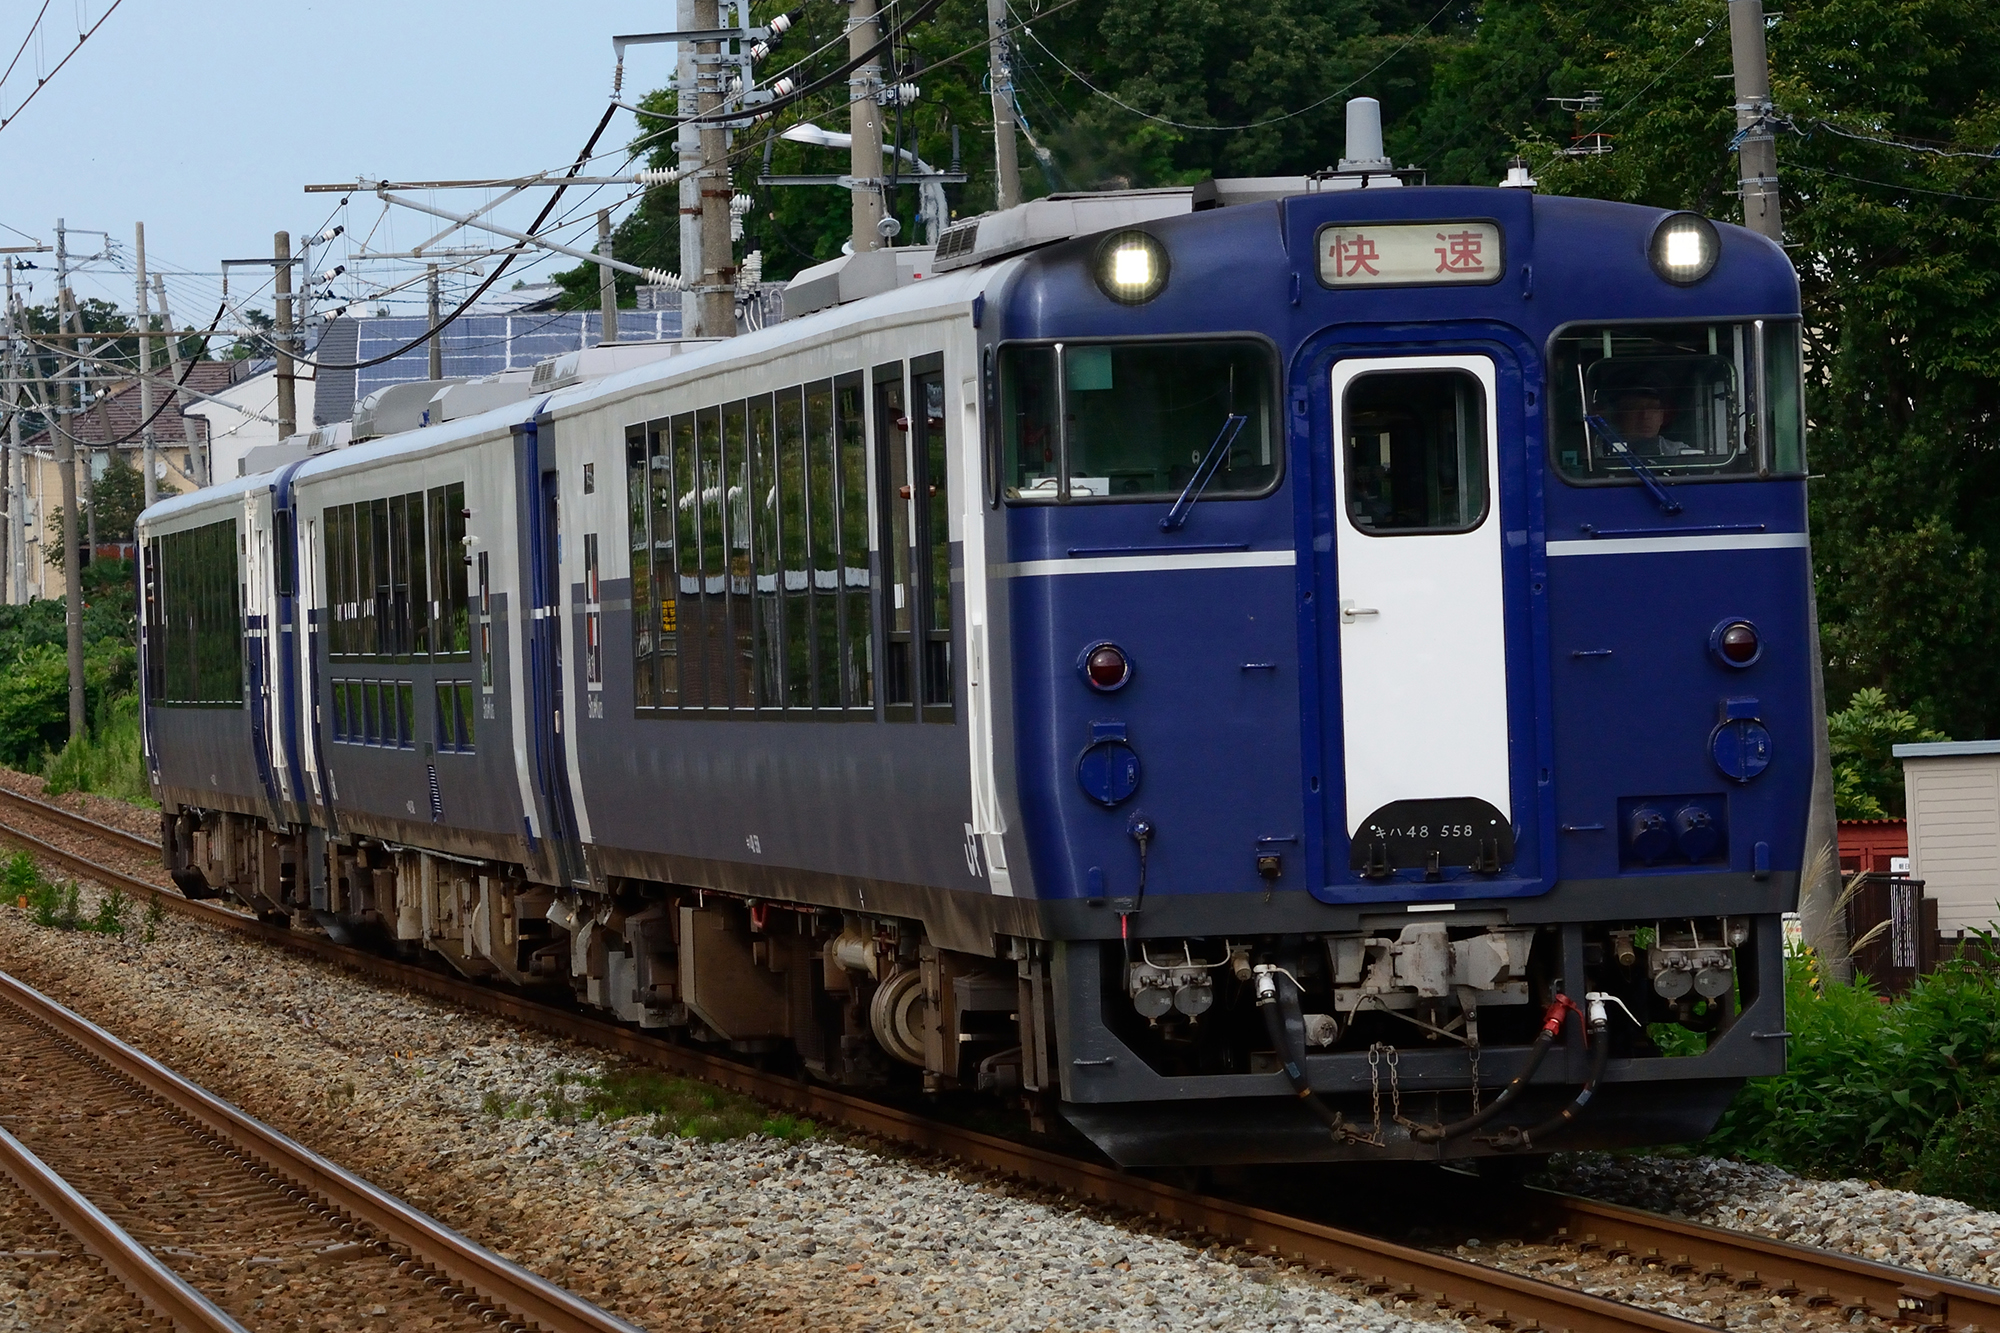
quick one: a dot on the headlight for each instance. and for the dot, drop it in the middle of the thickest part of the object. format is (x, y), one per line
(1685, 248)
(1131, 267)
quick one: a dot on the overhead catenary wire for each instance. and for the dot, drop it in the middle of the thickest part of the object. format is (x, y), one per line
(81, 38)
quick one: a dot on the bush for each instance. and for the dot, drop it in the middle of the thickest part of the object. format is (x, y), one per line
(1884, 1090)
(110, 760)
(1962, 1159)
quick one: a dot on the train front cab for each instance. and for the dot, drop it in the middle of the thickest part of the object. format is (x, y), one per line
(1489, 718)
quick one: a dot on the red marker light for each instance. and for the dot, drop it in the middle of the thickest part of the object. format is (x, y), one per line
(1739, 643)
(1107, 667)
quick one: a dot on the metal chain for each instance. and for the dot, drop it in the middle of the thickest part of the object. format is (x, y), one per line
(1375, 1086)
(1395, 1088)
(1474, 1046)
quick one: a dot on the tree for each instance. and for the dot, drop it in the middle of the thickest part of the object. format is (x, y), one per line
(1867, 776)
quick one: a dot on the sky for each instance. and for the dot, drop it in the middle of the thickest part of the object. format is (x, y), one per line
(205, 118)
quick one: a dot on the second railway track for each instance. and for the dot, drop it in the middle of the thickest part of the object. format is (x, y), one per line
(1828, 1286)
(218, 1222)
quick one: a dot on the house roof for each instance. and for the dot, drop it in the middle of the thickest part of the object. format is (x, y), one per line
(117, 414)
(1944, 749)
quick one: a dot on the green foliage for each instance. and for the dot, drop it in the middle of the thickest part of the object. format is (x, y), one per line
(1868, 778)
(34, 695)
(1898, 253)
(1905, 1090)
(679, 1107)
(58, 905)
(21, 876)
(156, 912)
(116, 498)
(108, 760)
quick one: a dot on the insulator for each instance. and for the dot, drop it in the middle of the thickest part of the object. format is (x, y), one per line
(328, 234)
(657, 176)
(331, 273)
(739, 204)
(782, 25)
(782, 87)
(618, 79)
(758, 50)
(899, 94)
(660, 279)
(736, 85)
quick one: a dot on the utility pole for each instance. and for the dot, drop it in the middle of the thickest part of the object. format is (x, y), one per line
(431, 307)
(197, 459)
(1006, 166)
(607, 281)
(149, 454)
(1820, 920)
(9, 543)
(717, 284)
(865, 148)
(66, 466)
(687, 144)
(1757, 150)
(288, 405)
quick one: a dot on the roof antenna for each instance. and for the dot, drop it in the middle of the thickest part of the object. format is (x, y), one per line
(1364, 136)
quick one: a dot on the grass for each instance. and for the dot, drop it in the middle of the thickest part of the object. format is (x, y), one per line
(107, 760)
(1905, 1091)
(58, 904)
(680, 1108)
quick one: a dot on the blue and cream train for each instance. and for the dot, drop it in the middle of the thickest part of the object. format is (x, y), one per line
(1192, 660)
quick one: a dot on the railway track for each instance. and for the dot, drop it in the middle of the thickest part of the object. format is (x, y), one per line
(218, 1222)
(1834, 1287)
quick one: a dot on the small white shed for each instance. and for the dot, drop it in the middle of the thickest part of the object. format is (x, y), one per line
(1952, 793)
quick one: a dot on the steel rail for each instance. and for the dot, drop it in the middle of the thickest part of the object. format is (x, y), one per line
(163, 1290)
(1372, 1265)
(1750, 1262)
(525, 1295)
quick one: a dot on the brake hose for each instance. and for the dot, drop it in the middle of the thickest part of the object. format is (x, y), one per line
(1513, 1138)
(1278, 998)
(1552, 1024)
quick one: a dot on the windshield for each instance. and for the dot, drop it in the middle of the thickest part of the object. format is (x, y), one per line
(1133, 421)
(1687, 401)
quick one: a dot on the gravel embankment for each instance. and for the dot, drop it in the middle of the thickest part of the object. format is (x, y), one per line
(671, 1233)
(1856, 1217)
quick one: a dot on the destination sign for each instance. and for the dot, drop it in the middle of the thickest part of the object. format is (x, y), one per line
(1406, 254)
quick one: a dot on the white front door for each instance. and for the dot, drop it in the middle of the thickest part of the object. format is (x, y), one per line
(1423, 670)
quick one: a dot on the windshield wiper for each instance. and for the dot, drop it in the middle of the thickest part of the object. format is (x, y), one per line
(1232, 426)
(1646, 475)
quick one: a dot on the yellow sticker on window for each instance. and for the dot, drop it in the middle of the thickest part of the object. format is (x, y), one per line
(668, 620)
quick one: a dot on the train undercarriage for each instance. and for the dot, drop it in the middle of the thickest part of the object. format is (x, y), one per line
(1400, 1042)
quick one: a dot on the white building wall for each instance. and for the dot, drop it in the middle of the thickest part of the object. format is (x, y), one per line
(1954, 813)
(234, 424)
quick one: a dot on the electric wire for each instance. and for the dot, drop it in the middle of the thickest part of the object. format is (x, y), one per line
(81, 38)
(498, 269)
(32, 28)
(1987, 154)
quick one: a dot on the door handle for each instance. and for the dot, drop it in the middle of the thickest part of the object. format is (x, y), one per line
(1349, 612)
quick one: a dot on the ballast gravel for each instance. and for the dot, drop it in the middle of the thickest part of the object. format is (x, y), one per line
(672, 1234)
(1920, 1231)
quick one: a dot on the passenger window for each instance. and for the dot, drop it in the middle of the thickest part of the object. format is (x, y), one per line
(1117, 421)
(892, 463)
(823, 523)
(734, 496)
(933, 508)
(763, 509)
(642, 576)
(857, 638)
(1415, 452)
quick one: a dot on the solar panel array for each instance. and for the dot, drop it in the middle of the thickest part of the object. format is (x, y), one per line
(487, 344)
